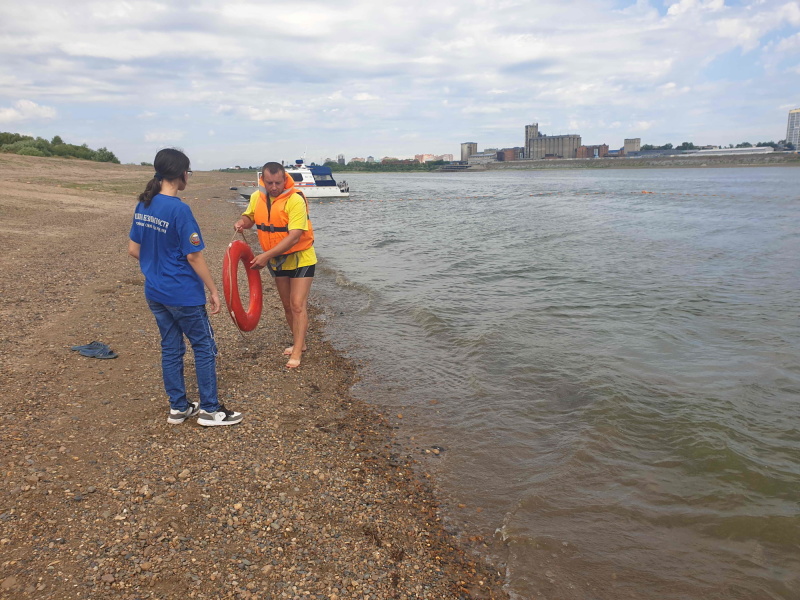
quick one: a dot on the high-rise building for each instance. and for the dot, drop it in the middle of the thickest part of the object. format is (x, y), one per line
(467, 150)
(793, 128)
(340, 159)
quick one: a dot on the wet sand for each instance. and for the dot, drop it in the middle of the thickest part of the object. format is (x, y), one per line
(310, 497)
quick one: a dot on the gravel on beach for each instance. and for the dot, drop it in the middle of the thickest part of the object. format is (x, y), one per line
(309, 497)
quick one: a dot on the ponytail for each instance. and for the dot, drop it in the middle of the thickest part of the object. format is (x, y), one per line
(170, 164)
(153, 188)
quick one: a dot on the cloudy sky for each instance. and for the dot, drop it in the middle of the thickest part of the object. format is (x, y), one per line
(235, 82)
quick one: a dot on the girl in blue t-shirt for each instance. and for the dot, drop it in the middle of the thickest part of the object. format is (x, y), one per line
(166, 240)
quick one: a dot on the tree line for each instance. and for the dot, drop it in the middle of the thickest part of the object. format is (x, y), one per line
(781, 145)
(25, 145)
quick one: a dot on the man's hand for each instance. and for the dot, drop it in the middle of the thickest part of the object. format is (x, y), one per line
(242, 224)
(260, 261)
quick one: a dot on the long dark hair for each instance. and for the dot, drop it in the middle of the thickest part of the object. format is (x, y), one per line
(170, 163)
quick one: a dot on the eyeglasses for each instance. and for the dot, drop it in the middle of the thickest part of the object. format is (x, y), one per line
(189, 173)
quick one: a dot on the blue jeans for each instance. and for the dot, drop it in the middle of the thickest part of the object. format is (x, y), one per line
(192, 321)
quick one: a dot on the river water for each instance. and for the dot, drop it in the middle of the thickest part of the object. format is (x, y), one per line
(607, 363)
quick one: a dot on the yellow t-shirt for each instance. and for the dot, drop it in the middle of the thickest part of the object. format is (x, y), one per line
(298, 219)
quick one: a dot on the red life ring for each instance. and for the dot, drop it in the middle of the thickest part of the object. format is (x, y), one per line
(240, 251)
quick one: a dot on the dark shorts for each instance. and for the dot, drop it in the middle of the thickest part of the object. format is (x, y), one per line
(296, 273)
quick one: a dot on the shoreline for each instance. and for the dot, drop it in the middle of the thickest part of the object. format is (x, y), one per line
(103, 499)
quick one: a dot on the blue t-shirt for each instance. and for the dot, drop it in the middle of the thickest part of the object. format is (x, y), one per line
(167, 232)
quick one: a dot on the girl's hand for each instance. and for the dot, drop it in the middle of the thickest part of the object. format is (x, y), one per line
(214, 303)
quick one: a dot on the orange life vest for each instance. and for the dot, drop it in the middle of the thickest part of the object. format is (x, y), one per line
(272, 221)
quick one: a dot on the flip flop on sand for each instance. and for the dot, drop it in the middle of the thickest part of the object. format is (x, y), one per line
(89, 346)
(104, 352)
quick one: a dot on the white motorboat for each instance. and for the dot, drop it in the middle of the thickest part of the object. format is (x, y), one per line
(315, 182)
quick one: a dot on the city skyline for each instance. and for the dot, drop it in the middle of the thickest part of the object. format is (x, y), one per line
(396, 79)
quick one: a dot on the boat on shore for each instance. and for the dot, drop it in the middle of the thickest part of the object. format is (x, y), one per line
(315, 182)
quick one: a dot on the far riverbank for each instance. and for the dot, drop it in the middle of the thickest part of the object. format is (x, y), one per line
(660, 162)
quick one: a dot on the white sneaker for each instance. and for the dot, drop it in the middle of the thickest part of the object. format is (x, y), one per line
(176, 417)
(222, 416)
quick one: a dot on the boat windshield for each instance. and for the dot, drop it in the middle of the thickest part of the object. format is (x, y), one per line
(324, 179)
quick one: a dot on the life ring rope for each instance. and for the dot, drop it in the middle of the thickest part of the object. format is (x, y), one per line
(239, 251)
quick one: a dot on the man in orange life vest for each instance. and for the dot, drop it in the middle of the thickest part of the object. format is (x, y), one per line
(280, 214)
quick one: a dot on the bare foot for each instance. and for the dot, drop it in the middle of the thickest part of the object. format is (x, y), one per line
(290, 349)
(293, 363)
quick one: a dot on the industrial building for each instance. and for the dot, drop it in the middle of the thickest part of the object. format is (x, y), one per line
(632, 145)
(539, 145)
(467, 150)
(598, 151)
(507, 154)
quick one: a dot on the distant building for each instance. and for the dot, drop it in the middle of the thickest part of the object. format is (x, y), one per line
(731, 151)
(357, 159)
(599, 151)
(506, 154)
(655, 153)
(446, 157)
(538, 145)
(482, 158)
(370, 159)
(632, 145)
(793, 128)
(340, 159)
(468, 149)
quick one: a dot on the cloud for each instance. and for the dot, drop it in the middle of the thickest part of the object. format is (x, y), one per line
(694, 6)
(26, 110)
(165, 137)
(790, 44)
(270, 113)
(481, 110)
(363, 75)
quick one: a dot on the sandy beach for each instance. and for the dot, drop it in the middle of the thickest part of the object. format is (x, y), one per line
(310, 497)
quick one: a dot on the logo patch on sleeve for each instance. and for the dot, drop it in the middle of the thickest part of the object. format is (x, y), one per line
(194, 239)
